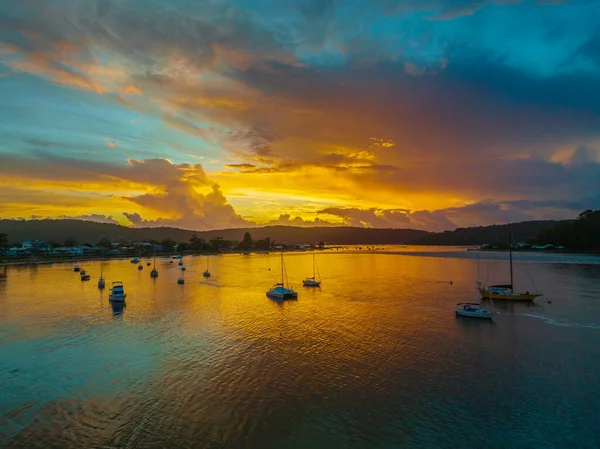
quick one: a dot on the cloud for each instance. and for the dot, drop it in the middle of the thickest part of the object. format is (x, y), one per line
(179, 194)
(98, 218)
(387, 128)
(288, 220)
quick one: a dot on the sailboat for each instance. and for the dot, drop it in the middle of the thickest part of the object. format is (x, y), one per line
(312, 281)
(279, 291)
(473, 309)
(154, 273)
(206, 273)
(101, 281)
(180, 279)
(505, 291)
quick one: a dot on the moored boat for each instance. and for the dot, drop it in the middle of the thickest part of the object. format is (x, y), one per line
(472, 310)
(117, 292)
(506, 291)
(85, 277)
(280, 291)
(312, 281)
(76, 268)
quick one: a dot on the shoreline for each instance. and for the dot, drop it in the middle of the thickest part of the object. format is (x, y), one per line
(33, 260)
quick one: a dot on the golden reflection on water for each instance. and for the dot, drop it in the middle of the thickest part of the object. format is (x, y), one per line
(217, 361)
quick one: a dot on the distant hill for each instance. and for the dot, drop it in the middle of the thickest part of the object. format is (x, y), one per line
(526, 231)
(87, 231)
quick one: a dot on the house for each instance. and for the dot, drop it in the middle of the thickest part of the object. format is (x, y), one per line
(35, 245)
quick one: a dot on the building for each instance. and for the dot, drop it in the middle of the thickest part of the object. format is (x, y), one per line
(35, 245)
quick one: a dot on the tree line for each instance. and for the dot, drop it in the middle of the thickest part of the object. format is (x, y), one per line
(582, 234)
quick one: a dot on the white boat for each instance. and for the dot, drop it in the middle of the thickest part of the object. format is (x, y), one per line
(154, 272)
(117, 293)
(473, 309)
(206, 273)
(312, 281)
(280, 291)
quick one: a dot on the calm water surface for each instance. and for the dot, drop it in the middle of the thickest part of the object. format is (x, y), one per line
(373, 359)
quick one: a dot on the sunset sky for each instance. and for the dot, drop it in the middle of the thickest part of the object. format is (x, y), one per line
(427, 114)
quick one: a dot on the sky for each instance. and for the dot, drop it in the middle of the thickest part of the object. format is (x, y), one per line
(211, 114)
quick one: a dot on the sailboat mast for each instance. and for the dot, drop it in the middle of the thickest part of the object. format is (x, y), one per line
(510, 259)
(154, 254)
(314, 266)
(282, 267)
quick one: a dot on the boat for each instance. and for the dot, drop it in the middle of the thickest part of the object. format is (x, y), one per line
(180, 279)
(178, 257)
(82, 272)
(506, 291)
(84, 277)
(312, 281)
(76, 268)
(180, 263)
(117, 292)
(206, 273)
(279, 290)
(135, 260)
(154, 273)
(101, 281)
(148, 264)
(472, 310)
(140, 267)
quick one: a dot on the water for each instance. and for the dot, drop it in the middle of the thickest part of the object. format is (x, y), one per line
(373, 359)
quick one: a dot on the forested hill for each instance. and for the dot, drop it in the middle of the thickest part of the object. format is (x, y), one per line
(86, 231)
(526, 231)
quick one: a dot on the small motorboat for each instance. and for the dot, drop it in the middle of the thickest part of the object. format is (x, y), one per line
(180, 263)
(140, 267)
(117, 292)
(180, 281)
(182, 268)
(82, 272)
(135, 260)
(178, 257)
(76, 268)
(154, 273)
(148, 264)
(280, 292)
(101, 283)
(84, 277)
(472, 310)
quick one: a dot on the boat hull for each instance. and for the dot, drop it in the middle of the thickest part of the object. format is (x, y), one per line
(483, 314)
(508, 296)
(206, 274)
(309, 283)
(117, 298)
(282, 293)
